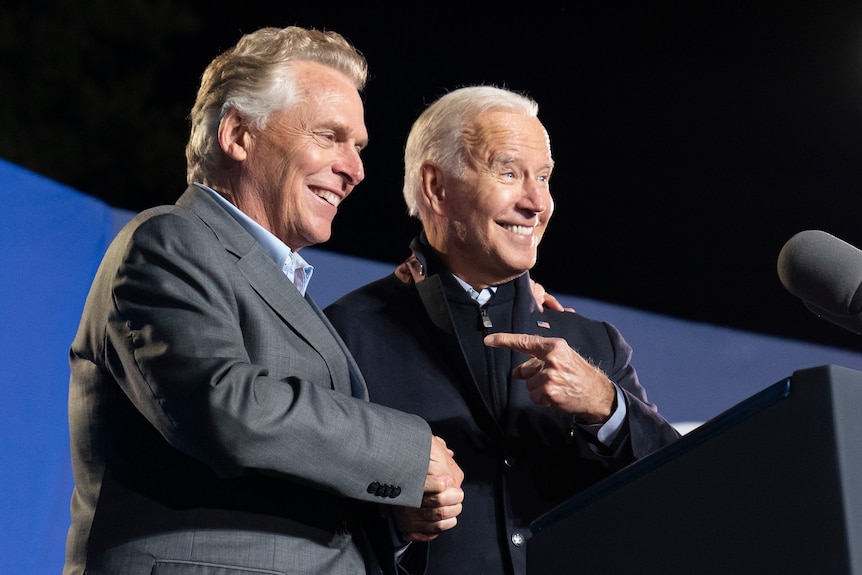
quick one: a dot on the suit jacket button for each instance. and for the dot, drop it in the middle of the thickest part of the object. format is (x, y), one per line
(517, 539)
(373, 487)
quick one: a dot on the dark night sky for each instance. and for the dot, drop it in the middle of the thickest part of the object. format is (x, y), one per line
(691, 139)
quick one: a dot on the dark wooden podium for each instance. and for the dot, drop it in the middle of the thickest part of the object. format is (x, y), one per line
(771, 486)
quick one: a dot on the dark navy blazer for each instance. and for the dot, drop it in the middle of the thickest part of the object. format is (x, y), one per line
(517, 466)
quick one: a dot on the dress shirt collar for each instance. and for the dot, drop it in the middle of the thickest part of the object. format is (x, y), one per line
(480, 297)
(297, 270)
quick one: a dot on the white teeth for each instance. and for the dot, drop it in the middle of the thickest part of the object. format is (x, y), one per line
(520, 230)
(333, 199)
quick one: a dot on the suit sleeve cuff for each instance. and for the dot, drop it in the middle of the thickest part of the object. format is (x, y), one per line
(608, 431)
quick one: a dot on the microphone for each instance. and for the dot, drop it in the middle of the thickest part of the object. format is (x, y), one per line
(826, 274)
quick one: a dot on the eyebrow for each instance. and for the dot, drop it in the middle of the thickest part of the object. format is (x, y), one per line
(343, 129)
(508, 158)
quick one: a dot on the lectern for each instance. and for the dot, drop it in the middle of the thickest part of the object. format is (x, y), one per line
(773, 485)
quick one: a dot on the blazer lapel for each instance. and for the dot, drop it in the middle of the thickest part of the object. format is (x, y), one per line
(265, 277)
(357, 381)
(527, 319)
(525, 316)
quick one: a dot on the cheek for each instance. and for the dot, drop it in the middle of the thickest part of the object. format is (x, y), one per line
(491, 205)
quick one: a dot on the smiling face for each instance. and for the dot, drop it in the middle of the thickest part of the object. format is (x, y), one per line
(306, 161)
(488, 223)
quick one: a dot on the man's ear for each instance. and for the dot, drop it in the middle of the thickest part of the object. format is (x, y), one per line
(233, 136)
(433, 188)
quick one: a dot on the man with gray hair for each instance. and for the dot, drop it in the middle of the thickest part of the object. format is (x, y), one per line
(536, 403)
(218, 424)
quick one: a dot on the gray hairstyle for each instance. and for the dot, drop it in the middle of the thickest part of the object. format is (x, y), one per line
(255, 77)
(437, 135)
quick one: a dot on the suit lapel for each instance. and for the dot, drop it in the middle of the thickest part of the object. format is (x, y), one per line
(265, 277)
(527, 319)
(525, 316)
(357, 381)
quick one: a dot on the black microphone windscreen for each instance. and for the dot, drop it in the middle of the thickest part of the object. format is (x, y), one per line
(826, 274)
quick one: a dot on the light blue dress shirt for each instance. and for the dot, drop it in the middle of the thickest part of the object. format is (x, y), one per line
(297, 270)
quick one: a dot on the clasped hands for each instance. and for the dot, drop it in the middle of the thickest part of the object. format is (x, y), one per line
(441, 502)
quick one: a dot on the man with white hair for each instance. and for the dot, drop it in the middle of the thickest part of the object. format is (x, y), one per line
(536, 403)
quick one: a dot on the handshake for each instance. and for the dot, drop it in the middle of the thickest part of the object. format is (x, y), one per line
(441, 503)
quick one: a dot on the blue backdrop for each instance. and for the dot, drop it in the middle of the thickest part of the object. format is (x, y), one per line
(51, 240)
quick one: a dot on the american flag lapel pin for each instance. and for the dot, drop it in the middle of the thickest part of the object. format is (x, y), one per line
(543, 324)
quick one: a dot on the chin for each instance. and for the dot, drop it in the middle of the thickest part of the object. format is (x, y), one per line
(522, 266)
(319, 236)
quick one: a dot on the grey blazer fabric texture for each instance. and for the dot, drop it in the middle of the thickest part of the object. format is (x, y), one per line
(217, 422)
(518, 464)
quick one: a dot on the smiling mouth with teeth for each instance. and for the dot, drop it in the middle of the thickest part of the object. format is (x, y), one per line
(520, 230)
(331, 198)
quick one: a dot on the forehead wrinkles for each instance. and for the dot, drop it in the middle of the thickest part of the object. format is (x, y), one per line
(329, 91)
(483, 138)
(500, 137)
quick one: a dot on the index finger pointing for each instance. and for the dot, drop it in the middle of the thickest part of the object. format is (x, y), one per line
(534, 345)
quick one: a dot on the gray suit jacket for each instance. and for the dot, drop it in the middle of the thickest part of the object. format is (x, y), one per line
(218, 424)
